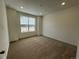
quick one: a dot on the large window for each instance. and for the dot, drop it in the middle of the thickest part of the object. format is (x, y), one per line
(27, 23)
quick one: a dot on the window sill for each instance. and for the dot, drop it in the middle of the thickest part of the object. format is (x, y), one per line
(28, 32)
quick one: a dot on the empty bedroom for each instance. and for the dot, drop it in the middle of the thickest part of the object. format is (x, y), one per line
(40, 29)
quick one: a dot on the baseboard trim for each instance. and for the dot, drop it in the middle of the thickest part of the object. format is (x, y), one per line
(24, 38)
(45, 37)
(59, 41)
(14, 41)
(27, 37)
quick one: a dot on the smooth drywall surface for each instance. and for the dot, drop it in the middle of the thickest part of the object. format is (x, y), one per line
(4, 40)
(77, 56)
(63, 25)
(14, 25)
(39, 25)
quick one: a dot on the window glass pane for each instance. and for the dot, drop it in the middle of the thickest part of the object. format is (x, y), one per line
(27, 23)
(24, 23)
(31, 24)
(24, 20)
(31, 21)
(24, 29)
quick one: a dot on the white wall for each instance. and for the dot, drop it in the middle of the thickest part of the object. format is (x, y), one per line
(13, 22)
(39, 25)
(4, 42)
(63, 25)
(77, 56)
(14, 25)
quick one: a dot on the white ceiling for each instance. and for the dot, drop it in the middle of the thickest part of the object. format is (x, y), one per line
(36, 7)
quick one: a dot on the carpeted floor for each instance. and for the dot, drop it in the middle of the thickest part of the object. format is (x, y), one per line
(41, 48)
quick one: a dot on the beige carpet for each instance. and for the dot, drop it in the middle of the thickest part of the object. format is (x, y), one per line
(41, 48)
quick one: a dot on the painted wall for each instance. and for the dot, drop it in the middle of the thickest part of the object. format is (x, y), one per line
(63, 25)
(39, 25)
(77, 56)
(4, 39)
(14, 25)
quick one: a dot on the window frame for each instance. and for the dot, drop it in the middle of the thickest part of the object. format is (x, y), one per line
(28, 23)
